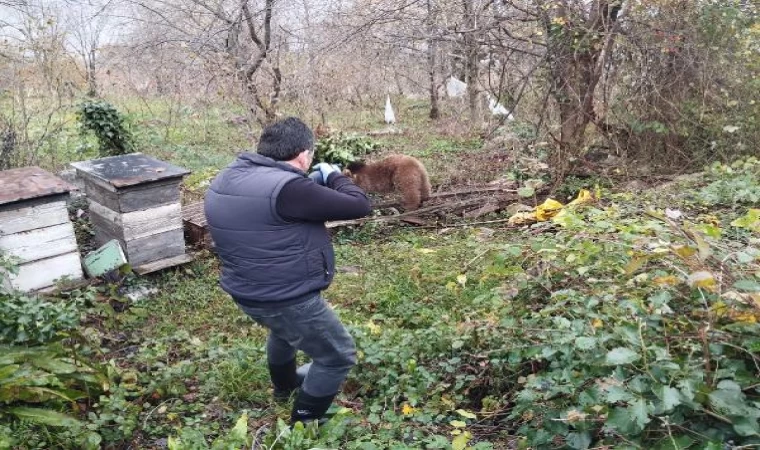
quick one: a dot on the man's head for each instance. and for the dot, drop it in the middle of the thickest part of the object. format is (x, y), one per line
(286, 141)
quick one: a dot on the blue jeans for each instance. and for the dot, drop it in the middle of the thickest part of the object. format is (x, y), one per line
(313, 328)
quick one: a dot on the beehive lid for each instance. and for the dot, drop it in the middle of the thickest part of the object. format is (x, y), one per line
(28, 183)
(128, 170)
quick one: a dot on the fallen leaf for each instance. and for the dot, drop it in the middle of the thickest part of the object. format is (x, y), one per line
(702, 279)
(730, 129)
(674, 214)
(575, 416)
(522, 218)
(667, 280)
(684, 251)
(467, 414)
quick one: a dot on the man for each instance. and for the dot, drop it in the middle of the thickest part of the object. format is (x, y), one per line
(266, 217)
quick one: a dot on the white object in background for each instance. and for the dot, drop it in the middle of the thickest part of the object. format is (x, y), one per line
(389, 116)
(455, 88)
(497, 109)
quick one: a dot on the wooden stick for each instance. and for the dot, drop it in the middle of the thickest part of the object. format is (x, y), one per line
(454, 206)
(437, 195)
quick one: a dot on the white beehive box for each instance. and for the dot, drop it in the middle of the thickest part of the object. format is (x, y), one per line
(35, 229)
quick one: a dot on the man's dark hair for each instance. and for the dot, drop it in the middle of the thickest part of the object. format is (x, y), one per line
(284, 140)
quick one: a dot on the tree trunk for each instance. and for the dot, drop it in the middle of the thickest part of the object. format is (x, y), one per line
(471, 59)
(92, 84)
(435, 112)
(576, 70)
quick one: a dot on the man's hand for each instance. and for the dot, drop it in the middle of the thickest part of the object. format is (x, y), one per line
(317, 177)
(325, 170)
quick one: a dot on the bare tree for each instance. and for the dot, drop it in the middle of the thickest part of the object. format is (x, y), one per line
(435, 112)
(235, 38)
(86, 22)
(579, 40)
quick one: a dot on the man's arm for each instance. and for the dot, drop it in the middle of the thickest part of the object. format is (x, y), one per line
(341, 199)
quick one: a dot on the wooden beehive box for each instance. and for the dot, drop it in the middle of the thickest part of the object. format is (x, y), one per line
(196, 227)
(35, 229)
(135, 199)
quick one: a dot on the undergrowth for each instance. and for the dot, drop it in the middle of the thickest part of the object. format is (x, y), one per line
(628, 323)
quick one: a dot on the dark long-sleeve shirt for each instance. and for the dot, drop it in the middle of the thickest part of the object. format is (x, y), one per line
(341, 199)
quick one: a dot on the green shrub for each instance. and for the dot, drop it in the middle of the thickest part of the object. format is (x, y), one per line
(29, 319)
(108, 125)
(735, 184)
(343, 148)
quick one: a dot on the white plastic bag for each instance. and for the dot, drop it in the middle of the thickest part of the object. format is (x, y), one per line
(455, 88)
(497, 109)
(389, 116)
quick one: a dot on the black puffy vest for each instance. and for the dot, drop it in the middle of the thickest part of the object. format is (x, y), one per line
(266, 260)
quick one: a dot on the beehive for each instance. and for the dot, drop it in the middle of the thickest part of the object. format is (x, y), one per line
(35, 229)
(196, 227)
(136, 199)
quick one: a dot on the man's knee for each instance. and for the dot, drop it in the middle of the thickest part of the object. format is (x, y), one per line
(350, 357)
(346, 354)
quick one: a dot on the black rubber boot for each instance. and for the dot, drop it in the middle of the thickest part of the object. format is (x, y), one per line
(308, 408)
(284, 379)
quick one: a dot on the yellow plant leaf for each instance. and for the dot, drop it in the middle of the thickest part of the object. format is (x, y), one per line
(467, 414)
(597, 323)
(745, 317)
(684, 251)
(634, 264)
(719, 309)
(755, 299)
(373, 327)
(457, 424)
(522, 218)
(702, 246)
(408, 410)
(667, 280)
(460, 442)
(750, 221)
(462, 279)
(702, 279)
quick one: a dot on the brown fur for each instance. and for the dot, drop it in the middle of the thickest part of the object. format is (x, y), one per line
(322, 130)
(395, 173)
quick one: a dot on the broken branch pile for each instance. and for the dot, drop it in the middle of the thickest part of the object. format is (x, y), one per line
(469, 203)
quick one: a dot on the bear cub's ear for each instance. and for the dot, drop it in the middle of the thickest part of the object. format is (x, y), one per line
(355, 166)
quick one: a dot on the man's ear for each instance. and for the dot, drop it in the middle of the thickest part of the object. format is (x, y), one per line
(305, 157)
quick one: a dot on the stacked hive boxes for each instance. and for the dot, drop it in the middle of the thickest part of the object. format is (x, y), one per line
(136, 199)
(35, 230)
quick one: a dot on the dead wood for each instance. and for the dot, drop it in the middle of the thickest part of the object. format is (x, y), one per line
(469, 203)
